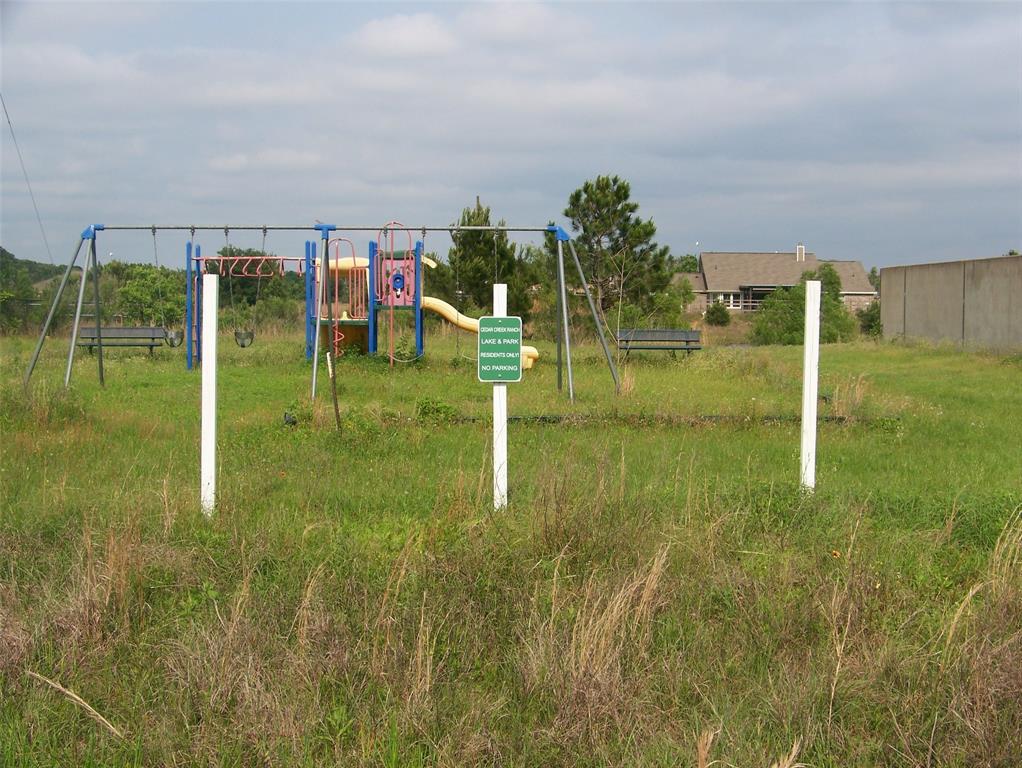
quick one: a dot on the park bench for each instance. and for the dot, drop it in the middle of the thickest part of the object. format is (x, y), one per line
(658, 338)
(116, 336)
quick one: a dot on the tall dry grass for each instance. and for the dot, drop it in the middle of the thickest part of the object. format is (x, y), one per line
(589, 649)
(850, 397)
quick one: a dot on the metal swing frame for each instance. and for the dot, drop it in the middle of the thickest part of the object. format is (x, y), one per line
(325, 231)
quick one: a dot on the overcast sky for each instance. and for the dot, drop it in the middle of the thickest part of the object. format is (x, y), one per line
(890, 133)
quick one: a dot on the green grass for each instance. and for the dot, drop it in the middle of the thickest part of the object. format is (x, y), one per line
(657, 576)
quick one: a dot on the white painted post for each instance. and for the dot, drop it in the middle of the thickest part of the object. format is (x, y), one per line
(499, 415)
(810, 384)
(207, 461)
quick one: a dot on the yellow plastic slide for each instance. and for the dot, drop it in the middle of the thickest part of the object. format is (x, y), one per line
(454, 317)
(348, 263)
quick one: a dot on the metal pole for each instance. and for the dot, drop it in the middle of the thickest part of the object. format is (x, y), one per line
(99, 323)
(320, 288)
(74, 328)
(371, 313)
(317, 227)
(308, 300)
(596, 319)
(560, 333)
(331, 331)
(564, 315)
(200, 271)
(188, 305)
(53, 311)
(418, 299)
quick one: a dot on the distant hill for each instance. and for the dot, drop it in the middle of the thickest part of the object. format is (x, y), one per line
(37, 271)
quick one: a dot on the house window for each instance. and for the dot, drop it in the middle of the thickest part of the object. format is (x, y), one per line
(729, 300)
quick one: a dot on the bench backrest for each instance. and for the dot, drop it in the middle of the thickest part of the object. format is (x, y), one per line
(118, 332)
(657, 334)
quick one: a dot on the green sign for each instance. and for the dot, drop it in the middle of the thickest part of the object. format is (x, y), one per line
(500, 349)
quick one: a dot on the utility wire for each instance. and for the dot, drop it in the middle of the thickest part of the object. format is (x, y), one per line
(27, 182)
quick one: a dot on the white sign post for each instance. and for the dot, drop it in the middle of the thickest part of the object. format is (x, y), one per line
(499, 415)
(207, 460)
(810, 384)
(499, 361)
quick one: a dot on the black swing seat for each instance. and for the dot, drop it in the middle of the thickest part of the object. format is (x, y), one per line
(244, 338)
(174, 337)
(117, 336)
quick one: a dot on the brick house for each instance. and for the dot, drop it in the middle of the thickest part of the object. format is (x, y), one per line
(741, 280)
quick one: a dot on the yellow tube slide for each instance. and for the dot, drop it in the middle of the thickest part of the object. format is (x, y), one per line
(454, 317)
(348, 263)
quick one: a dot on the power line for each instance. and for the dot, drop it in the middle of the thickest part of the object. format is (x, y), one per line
(31, 194)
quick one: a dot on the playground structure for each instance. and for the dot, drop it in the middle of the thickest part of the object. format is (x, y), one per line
(359, 290)
(347, 296)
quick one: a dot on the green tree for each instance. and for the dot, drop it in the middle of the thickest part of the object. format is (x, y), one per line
(685, 293)
(622, 262)
(118, 271)
(830, 281)
(16, 293)
(151, 296)
(781, 318)
(688, 263)
(478, 259)
(874, 278)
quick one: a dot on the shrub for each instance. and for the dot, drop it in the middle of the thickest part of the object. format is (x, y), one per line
(781, 319)
(869, 320)
(433, 411)
(717, 314)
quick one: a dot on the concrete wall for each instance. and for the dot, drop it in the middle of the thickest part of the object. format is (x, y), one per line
(892, 301)
(972, 303)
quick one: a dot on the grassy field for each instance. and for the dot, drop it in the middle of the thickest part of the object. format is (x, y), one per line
(658, 593)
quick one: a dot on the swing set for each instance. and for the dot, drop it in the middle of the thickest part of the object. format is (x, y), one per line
(345, 294)
(230, 264)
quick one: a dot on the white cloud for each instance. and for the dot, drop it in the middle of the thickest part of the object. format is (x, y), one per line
(775, 112)
(60, 64)
(406, 36)
(277, 159)
(517, 23)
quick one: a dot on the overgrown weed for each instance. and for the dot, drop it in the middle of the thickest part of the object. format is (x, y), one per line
(45, 405)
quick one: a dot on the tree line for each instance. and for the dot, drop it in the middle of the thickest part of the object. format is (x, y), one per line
(627, 270)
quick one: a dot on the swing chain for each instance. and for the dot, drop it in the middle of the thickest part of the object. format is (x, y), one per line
(230, 280)
(159, 282)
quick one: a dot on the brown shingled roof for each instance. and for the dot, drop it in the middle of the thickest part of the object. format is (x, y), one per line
(729, 272)
(853, 277)
(695, 279)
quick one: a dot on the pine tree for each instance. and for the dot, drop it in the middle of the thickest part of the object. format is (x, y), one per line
(616, 247)
(478, 259)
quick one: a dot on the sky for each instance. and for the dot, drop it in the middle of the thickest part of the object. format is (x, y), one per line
(885, 132)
